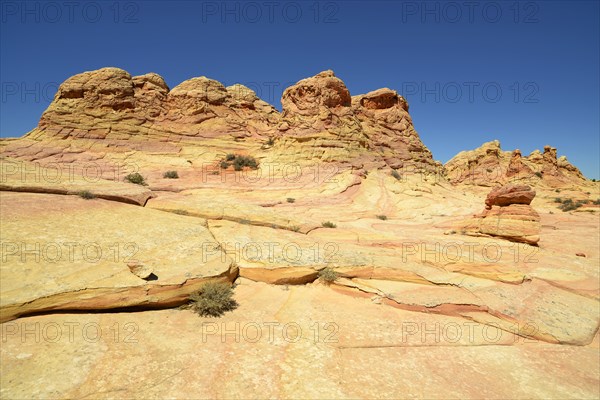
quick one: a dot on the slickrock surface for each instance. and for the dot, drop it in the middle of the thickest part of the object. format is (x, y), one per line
(27, 176)
(429, 302)
(295, 342)
(67, 253)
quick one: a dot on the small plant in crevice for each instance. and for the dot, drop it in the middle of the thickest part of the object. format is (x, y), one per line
(597, 202)
(538, 174)
(136, 178)
(86, 194)
(213, 299)
(270, 142)
(291, 200)
(328, 275)
(382, 217)
(328, 224)
(396, 175)
(171, 175)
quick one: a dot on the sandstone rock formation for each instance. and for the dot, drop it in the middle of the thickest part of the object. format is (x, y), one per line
(110, 103)
(508, 215)
(488, 165)
(109, 110)
(509, 194)
(407, 278)
(375, 127)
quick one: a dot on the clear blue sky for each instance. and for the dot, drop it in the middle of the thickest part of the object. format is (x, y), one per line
(525, 73)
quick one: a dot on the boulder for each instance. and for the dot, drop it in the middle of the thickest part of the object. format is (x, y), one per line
(509, 194)
(508, 215)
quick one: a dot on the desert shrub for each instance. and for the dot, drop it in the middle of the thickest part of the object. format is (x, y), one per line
(180, 212)
(382, 217)
(86, 194)
(328, 275)
(171, 175)
(238, 162)
(245, 161)
(558, 200)
(597, 202)
(212, 300)
(136, 178)
(328, 224)
(570, 205)
(291, 200)
(538, 174)
(270, 142)
(396, 175)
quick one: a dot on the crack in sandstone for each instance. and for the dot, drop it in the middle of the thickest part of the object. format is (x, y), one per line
(67, 192)
(108, 298)
(457, 310)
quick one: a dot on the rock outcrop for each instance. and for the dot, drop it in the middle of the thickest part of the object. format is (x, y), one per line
(508, 215)
(320, 121)
(488, 165)
(510, 194)
(376, 126)
(110, 103)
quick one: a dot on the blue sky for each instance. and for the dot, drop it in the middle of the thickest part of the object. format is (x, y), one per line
(523, 72)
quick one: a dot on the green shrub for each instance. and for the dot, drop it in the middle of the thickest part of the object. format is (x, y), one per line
(328, 225)
(396, 175)
(212, 300)
(382, 217)
(238, 162)
(558, 200)
(328, 275)
(136, 178)
(291, 200)
(171, 175)
(270, 142)
(86, 194)
(570, 205)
